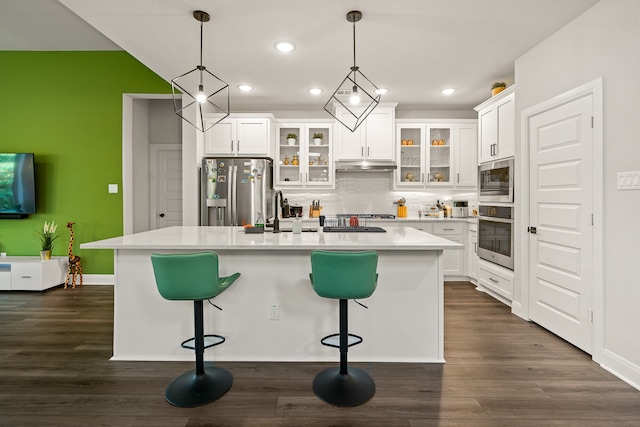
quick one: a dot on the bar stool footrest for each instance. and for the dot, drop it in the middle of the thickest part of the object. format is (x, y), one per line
(209, 341)
(333, 340)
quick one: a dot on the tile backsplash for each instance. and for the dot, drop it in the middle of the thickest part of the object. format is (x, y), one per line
(370, 192)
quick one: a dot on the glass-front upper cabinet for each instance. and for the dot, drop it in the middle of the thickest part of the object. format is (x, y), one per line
(410, 155)
(304, 155)
(439, 154)
(436, 154)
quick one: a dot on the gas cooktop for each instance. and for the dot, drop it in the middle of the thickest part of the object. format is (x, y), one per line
(371, 216)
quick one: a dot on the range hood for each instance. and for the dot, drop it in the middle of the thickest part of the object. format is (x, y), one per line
(365, 166)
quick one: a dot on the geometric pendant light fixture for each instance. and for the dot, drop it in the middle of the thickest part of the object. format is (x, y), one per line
(356, 94)
(202, 89)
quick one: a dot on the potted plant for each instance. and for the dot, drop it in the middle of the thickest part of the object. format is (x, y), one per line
(498, 87)
(317, 138)
(47, 238)
(291, 138)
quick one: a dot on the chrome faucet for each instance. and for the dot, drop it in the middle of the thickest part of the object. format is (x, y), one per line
(276, 220)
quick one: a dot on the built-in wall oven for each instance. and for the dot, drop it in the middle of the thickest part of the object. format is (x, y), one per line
(495, 182)
(495, 234)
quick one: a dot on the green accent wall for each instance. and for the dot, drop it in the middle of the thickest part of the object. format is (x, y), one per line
(66, 108)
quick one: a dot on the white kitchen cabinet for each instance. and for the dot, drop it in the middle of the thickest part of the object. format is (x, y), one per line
(497, 280)
(238, 136)
(437, 154)
(24, 273)
(466, 155)
(314, 160)
(472, 251)
(453, 260)
(410, 146)
(373, 140)
(496, 124)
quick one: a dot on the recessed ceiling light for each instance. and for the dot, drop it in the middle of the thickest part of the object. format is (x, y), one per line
(315, 91)
(285, 47)
(447, 91)
(381, 91)
(245, 88)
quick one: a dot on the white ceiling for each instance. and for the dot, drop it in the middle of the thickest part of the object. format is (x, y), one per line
(412, 47)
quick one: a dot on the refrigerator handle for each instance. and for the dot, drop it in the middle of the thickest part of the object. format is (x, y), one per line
(229, 209)
(203, 194)
(234, 197)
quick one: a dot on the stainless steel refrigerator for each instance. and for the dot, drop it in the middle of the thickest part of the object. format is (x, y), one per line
(236, 191)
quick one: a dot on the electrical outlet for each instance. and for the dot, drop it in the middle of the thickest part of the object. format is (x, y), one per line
(628, 181)
(274, 312)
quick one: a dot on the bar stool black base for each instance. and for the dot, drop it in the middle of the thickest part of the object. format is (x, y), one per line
(351, 389)
(190, 389)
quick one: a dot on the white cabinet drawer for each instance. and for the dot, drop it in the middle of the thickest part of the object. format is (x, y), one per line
(445, 229)
(26, 276)
(422, 226)
(497, 281)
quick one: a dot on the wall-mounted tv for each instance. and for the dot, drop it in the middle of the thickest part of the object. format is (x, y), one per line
(17, 185)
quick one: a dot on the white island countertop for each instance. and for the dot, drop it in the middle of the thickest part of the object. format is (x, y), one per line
(234, 238)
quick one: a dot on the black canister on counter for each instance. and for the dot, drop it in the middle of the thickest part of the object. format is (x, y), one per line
(286, 211)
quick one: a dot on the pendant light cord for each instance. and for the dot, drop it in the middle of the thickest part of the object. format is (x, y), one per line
(201, 25)
(354, 52)
(201, 67)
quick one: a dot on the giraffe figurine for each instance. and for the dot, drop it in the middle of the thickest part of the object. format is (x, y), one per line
(75, 266)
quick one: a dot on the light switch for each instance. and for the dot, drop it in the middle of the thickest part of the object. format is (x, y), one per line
(113, 188)
(628, 180)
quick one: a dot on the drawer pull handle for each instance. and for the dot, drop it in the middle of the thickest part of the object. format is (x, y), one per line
(493, 280)
(448, 229)
(25, 277)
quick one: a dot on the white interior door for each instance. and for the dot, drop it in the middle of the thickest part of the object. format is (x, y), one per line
(166, 185)
(561, 199)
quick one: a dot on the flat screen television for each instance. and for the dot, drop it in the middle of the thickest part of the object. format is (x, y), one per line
(17, 185)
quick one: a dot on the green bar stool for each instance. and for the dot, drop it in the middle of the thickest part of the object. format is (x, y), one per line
(194, 276)
(344, 276)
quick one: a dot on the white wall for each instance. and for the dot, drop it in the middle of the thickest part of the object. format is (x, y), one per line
(604, 41)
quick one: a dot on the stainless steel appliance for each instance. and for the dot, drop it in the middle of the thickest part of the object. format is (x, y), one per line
(495, 181)
(495, 234)
(460, 209)
(236, 191)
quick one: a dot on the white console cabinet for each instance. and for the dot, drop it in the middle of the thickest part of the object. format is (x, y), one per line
(26, 273)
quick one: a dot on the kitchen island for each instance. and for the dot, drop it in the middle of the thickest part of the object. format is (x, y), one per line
(272, 313)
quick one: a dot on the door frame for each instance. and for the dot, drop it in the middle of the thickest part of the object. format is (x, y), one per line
(153, 189)
(521, 307)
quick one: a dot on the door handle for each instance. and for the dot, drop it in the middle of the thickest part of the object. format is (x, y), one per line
(475, 247)
(532, 230)
(361, 151)
(368, 151)
(458, 179)
(231, 149)
(238, 144)
(161, 215)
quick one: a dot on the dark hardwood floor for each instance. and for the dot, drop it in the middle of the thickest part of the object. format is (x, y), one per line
(500, 371)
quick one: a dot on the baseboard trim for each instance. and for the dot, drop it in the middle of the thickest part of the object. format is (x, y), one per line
(621, 368)
(98, 279)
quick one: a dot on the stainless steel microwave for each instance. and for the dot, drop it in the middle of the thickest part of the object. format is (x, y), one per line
(495, 182)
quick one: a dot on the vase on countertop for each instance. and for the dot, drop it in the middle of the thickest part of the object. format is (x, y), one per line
(45, 255)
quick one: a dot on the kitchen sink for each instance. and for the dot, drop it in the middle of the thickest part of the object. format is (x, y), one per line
(358, 229)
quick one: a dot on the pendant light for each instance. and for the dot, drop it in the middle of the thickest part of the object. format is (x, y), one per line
(200, 88)
(356, 94)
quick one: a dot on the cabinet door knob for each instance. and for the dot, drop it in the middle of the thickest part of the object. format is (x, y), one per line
(161, 215)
